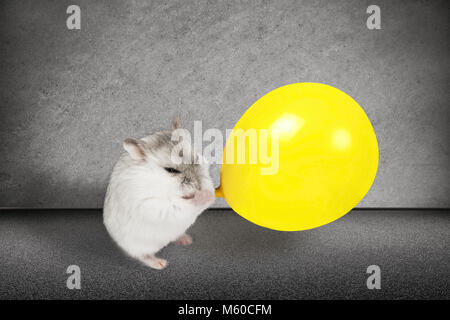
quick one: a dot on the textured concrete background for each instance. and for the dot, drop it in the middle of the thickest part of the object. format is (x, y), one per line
(68, 98)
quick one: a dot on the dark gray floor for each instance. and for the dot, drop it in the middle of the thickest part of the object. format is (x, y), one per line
(230, 258)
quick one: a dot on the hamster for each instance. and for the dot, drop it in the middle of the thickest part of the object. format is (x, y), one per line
(151, 200)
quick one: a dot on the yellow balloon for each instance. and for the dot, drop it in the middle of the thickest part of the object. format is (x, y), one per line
(324, 161)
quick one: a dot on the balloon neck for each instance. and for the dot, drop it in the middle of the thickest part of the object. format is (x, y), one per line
(219, 193)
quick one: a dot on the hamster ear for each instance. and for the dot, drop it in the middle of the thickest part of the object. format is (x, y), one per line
(176, 123)
(135, 148)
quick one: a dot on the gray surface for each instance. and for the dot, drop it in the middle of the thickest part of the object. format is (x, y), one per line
(68, 98)
(231, 258)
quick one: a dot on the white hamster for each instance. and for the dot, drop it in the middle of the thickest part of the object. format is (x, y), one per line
(151, 200)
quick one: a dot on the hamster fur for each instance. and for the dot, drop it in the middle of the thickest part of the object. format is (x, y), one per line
(151, 201)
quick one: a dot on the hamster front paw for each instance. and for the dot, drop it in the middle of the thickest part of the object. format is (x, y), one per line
(204, 197)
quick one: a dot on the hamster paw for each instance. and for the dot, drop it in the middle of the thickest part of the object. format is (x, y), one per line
(204, 197)
(184, 240)
(154, 262)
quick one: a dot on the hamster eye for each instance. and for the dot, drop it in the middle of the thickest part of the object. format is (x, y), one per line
(172, 170)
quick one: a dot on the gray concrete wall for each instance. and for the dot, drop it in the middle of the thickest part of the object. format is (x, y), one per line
(68, 98)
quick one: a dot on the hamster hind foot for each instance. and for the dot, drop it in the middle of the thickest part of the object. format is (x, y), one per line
(153, 262)
(184, 240)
